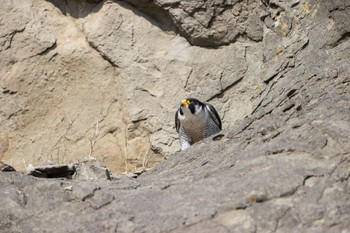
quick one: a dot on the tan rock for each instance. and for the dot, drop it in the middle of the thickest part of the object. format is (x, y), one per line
(105, 82)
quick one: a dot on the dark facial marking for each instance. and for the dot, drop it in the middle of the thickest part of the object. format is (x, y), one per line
(191, 107)
(181, 112)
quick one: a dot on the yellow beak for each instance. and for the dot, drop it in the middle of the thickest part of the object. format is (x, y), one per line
(185, 102)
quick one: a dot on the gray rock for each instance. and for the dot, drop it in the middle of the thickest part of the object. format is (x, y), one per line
(91, 170)
(207, 23)
(284, 168)
(85, 170)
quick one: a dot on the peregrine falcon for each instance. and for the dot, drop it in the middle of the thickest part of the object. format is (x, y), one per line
(195, 120)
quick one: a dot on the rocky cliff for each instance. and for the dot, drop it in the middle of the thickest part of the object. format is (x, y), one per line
(104, 78)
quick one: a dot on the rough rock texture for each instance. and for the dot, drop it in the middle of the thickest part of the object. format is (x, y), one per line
(6, 168)
(283, 168)
(82, 79)
(208, 23)
(91, 170)
(84, 170)
(52, 171)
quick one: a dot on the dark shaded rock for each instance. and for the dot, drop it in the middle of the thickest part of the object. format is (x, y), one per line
(6, 168)
(85, 170)
(53, 171)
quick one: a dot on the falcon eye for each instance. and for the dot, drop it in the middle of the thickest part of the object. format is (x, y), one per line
(189, 102)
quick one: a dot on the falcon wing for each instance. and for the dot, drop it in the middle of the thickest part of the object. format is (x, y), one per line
(213, 114)
(177, 121)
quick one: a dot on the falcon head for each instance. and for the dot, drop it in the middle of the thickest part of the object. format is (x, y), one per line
(190, 106)
(193, 114)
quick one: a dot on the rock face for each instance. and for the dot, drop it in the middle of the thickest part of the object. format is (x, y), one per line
(84, 79)
(103, 79)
